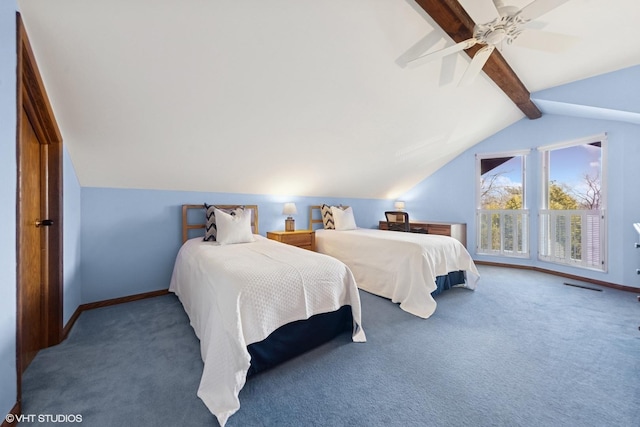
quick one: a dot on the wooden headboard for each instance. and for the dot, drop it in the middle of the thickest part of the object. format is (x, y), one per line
(313, 221)
(186, 226)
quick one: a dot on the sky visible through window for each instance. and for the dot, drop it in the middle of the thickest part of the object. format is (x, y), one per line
(501, 183)
(569, 220)
(510, 173)
(570, 165)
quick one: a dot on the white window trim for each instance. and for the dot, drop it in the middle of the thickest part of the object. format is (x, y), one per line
(570, 143)
(544, 162)
(480, 157)
(525, 211)
(544, 189)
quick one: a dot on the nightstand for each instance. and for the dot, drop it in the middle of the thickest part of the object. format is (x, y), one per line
(305, 239)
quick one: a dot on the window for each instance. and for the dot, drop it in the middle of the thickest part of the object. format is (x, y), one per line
(502, 218)
(572, 230)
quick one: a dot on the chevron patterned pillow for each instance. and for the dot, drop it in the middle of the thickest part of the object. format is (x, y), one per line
(327, 217)
(210, 229)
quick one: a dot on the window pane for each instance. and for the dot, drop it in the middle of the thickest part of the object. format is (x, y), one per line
(502, 217)
(574, 177)
(485, 231)
(508, 233)
(571, 226)
(560, 237)
(495, 232)
(576, 237)
(501, 183)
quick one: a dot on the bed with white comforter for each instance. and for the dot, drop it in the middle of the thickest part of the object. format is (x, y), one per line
(400, 266)
(238, 294)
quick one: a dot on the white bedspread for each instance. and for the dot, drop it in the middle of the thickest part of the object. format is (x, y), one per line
(236, 295)
(400, 266)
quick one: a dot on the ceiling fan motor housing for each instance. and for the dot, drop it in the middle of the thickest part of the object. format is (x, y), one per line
(506, 27)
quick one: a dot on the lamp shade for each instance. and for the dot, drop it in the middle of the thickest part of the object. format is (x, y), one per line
(399, 205)
(289, 209)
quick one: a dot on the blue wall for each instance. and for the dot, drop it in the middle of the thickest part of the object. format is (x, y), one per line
(449, 194)
(130, 238)
(8, 171)
(71, 238)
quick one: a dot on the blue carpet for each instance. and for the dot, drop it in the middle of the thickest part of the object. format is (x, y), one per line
(522, 350)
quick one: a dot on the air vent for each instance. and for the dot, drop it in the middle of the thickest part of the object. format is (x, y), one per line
(582, 287)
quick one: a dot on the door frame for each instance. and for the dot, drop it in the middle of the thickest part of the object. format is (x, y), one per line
(32, 97)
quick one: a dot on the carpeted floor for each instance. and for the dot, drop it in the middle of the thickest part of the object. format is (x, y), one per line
(522, 350)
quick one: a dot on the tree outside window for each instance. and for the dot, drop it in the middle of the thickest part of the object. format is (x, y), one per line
(502, 219)
(572, 218)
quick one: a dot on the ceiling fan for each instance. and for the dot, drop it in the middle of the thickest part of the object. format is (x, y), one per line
(481, 40)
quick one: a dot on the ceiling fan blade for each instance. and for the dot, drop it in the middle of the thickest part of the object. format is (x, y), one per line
(546, 41)
(503, 9)
(441, 53)
(479, 59)
(536, 25)
(482, 10)
(539, 7)
(419, 48)
(497, 4)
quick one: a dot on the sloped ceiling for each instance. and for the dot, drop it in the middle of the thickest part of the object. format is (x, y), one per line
(290, 97)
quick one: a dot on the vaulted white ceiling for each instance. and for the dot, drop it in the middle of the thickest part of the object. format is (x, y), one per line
(291, 97)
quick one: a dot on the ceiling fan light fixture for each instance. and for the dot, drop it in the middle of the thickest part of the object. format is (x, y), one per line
(495, 36)
(506, 27)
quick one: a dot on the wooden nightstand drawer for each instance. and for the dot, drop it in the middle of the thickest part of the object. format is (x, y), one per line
(304, 239)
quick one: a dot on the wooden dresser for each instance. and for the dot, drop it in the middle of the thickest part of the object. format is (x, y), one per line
(305, 239)
(457, 230)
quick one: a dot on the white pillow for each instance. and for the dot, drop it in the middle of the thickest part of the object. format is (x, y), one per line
(234, 228)
(343, 218)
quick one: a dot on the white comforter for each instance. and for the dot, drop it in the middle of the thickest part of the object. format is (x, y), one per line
(400, 266)
(236, 295)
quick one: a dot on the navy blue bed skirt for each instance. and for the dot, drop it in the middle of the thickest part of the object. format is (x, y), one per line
(295, 338)
(447, 282)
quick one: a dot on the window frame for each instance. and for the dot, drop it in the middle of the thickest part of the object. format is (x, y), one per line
(526, 253)
(544, 197)
(480, 157)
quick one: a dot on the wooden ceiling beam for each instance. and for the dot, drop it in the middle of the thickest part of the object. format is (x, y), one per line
(456, 22)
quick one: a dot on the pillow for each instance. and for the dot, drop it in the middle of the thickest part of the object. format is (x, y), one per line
(343, 218)
(327, 217)
(210, 226)
(210, 229)
(233, 228)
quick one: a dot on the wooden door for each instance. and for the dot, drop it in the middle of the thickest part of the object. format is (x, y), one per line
(39, 198)
(31, 249)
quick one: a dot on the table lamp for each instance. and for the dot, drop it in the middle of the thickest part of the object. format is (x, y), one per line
(289, 223)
